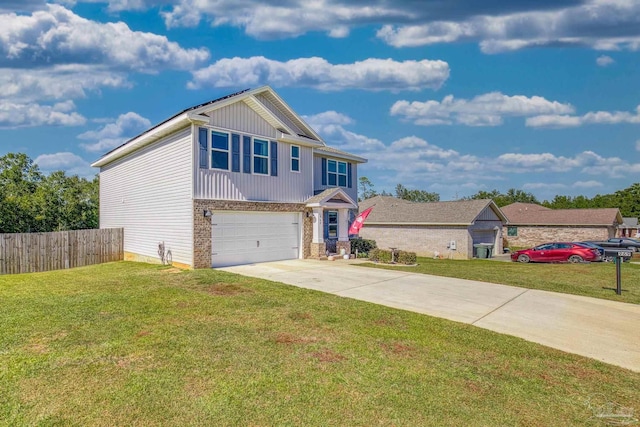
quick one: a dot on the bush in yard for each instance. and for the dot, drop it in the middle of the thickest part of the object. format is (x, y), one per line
(403, 257)
(380, 255)
(384, 256)
(363, 246)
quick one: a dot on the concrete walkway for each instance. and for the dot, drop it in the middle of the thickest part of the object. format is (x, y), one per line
(604, 330)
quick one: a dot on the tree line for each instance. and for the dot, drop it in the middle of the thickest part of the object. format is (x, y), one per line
(31, 201)
(627, 200)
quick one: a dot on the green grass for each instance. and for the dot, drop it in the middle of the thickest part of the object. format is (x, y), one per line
(139, 345)
(596, 279)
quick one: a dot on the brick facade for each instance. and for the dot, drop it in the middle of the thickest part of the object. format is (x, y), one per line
(423, 240)
(529, 236)
(318, 250)
(202, 224)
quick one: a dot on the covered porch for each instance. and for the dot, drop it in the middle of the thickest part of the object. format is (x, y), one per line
(331, 220)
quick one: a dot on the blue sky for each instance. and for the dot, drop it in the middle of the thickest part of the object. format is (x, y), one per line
(451, 97)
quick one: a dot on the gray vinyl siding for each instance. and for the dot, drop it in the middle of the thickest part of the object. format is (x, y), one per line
(240, 117)
(317, 178)
(290, 187)
(149, 194)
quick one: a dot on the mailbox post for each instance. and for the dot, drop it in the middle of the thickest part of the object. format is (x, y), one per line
(619, 257)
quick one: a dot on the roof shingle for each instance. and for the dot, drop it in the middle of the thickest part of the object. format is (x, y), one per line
(392, 210)
(532, 214)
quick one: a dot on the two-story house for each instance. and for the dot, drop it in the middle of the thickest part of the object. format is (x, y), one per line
(237, 180)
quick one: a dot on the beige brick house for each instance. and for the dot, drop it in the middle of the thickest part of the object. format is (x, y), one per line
(237, 180)
(531, 224)
(446, 229)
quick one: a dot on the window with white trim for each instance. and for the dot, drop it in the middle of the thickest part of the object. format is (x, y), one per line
(219, 150)
(332, 224)
(295, 158)
(260, 156)
(336, 173)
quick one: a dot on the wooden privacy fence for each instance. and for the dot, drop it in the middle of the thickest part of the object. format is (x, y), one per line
(34, 252)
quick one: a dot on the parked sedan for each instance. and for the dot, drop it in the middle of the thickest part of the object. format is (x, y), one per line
(607, 254)
(620, 242)
(557, 252)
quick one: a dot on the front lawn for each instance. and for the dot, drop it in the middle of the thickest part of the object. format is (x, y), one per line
(597, 279)
(134, 344)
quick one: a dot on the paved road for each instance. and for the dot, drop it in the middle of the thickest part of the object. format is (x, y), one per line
(604, 330)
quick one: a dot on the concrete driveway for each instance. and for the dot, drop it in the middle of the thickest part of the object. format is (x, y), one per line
(604, 330)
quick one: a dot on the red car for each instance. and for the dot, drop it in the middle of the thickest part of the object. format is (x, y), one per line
(557, 252)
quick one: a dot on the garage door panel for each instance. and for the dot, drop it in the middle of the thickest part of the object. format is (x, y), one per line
(245, 237)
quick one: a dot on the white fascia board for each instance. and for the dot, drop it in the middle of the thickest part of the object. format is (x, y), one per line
(297, 140)
(198, 118)
(341, 156)
(146, 138)
(267, 115)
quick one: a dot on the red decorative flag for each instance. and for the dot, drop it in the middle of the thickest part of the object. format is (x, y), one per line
(359, 221)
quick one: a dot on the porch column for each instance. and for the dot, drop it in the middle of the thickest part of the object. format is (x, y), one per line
(343, 225)
(318, 228)
(343, 232)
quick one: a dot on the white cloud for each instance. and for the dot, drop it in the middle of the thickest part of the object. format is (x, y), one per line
(590, 118)
(57, 82)
(14, 115)
(330, 125)
(604, 60)
(116, 133)
(263, 20)
(71, 163)
(416, 162)
(484, 110)
(57, 35)
(370, 74)
(599, 24)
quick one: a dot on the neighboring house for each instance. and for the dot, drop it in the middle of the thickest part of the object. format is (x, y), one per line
(448, 229)
(629, 228)
(531, 224)
(237, 180)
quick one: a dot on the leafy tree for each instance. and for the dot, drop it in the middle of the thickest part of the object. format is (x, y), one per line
(416, 195)
(32, 202)
(628, 201)
(511, 196)
(366, 188)
(19, 179)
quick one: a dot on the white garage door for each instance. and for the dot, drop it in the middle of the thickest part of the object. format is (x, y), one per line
(250, 237)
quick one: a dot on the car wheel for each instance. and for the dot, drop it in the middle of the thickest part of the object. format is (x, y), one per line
(608, 259)
(523, 258)
(575, 258)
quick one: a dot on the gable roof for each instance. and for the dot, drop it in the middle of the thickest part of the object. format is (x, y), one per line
(391, 210)
(629, 222)
(532, 214)
(332, 197)
(291, 127)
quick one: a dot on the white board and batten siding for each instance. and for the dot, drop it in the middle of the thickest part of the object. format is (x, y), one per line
(149, 194)
(287, 186)
(250, 237)
(241, 117)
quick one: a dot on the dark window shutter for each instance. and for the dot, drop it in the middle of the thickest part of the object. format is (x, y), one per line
(235, 153)
(274, 158)
(324, 171)
(349, 175)
(204, 152)
(246, 154)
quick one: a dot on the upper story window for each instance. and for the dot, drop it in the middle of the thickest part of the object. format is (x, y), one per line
(260, 156)
(336, 173)
(219, 150)
(295, 158)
